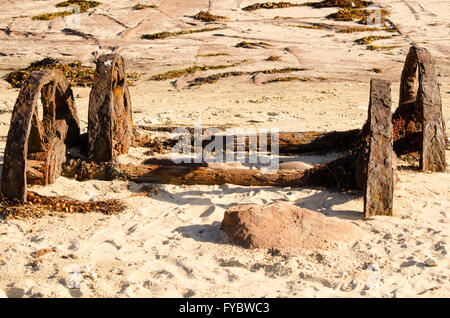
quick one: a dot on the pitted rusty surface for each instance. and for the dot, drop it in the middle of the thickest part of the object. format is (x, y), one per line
(379, 183)
(35, 150)
(110, 126)
(418, 123)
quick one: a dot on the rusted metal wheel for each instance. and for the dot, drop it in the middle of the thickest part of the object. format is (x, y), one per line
(418, 122)
(110, 127)
(35, 148)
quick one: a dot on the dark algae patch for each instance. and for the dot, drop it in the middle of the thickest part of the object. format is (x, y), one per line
(313, 27)
(205, 16)
(82, 4)
(163, 35)
(271, 5)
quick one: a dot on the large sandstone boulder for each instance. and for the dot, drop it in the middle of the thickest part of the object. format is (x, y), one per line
(283, 225)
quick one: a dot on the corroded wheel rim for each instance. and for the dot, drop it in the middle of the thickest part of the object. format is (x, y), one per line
(32, 141)
(110, 118)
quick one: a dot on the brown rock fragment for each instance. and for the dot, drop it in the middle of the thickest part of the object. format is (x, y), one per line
(282, 225)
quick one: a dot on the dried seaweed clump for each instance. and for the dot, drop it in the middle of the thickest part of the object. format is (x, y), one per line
(312, 27)
(163, 35)
(52, 15)
(280, 70)
(144, 6)
(296, 79)
(350, 14)
(382, 47)
(271, 5)
(79, 75)
(273, 58)
(205, 16)
(212, 54)
(369, 39)
(363, 29)
(82, 4)
(190, 70)
(340, 4)
(132, 77)
(252, 45)
(211, 79)
(39, 206)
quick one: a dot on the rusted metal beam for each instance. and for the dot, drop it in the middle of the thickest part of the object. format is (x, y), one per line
(379, 185)
(336, 173)
(110, 125)
(288, 142)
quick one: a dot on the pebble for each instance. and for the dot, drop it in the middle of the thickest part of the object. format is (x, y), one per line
(86, 269)
(290, 196)
(430, 262)
(93, 276)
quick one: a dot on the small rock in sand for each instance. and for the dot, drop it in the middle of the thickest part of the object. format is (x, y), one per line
(86, 269)
(290, 196)
(283, 225)
(430, 262)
